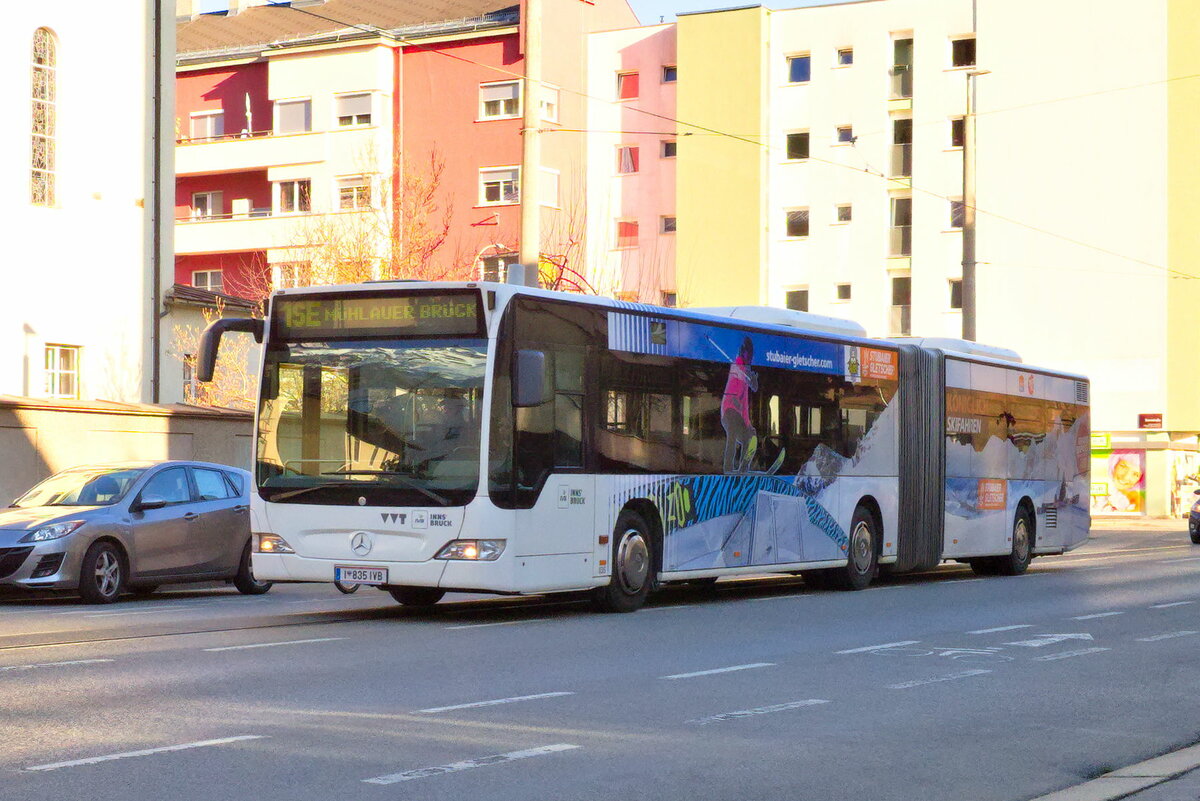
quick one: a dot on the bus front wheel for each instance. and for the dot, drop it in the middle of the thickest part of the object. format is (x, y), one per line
(632, 565)
(416, 596)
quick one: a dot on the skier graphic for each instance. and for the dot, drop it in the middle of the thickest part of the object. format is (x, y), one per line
(741, 440)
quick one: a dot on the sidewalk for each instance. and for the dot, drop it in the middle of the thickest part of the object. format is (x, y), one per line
(1139, 523)
(1171, 777)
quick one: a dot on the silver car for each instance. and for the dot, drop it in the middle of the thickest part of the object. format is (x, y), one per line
(105, 529)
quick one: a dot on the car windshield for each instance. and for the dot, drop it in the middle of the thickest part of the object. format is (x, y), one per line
(395, 421)
(83, 487)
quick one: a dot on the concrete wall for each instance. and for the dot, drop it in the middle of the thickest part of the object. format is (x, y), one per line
(40, 439)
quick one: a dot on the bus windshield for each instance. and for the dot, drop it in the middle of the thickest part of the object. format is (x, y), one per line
(392, 422)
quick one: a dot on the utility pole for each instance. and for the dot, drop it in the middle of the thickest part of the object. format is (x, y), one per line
(968, 228)
(531, 145)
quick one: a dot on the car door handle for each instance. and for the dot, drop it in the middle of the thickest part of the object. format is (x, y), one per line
(240, 508)
(190, 516)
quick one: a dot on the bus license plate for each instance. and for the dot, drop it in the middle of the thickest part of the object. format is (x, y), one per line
(360, 575)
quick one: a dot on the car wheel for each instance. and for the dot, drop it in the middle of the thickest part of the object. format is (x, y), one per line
(632, 566)
(245, 581)
(862, 555)
(416, 596)
(102, 574)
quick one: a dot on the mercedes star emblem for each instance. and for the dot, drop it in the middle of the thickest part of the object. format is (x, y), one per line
(361, 543)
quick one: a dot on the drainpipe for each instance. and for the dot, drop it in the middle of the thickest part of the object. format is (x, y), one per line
(156, 213)
(531, 145)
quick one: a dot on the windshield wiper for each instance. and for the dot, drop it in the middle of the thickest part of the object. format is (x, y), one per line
(404, 479)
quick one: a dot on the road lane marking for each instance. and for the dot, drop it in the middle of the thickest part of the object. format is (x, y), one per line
(906, 685)
(673, 606)
(498, 701)
(761, 710)
(877, 647)
(1050, 639)
(501, 623)
(1097, 615)
(1090, 569)
(147, 752)
(55, 664)
(1172, 635)
(715, 671)
(1068, 654)
(1184, 559)
(273, 644)
(129, 614)
(455, 767)
(1168, 606)
(1002, 628)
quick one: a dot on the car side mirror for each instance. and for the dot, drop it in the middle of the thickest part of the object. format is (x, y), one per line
(529, 378)
(1197, 492)
(149, 502)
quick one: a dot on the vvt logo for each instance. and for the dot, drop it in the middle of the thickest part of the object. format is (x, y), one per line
(392, 517)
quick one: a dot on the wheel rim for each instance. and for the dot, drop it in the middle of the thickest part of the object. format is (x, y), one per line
(861, 547)
(108, 573)
(1021, 540)
(633, 561)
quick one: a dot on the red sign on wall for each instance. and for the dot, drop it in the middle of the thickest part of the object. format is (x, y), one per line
(1150, 421)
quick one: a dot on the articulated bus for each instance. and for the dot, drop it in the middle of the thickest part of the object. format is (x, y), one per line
(477, 437)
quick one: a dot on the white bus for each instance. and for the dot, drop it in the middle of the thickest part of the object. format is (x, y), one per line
(477, 437)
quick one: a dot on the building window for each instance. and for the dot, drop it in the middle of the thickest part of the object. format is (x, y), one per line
(901, 322)
(667, 148)
(627, 85)
(293, 116)
(627, 159)
(845, 56)
(900, 240)
(62, 371)
(962, 52)
(845, 134)
(958, 132)
(352, 110)
(207, 205)
(499, 186)
(799, 69)
(797, 299)
(500, 100)
(44, 131)
(669, 299)
(843, 292)
(495, 268)
(902, 72)
(670, 73)
(292, 274)
(295, 196)
(549, 104)
(956, 293)
(958, 211)
(797, 222)
(212, 280)
(354, 192)
(627, 233)
(797, 145)
(667, 224)
(843, 212)
(549, 188)
(207, 124)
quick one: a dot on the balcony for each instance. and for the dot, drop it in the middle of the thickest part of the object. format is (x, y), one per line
(228, 233)
(902, 82)
(899, 242)
(901, 321)
(901, 163)
(262, 149)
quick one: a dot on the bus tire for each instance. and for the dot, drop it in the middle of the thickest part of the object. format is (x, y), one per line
(863, 554)
(1017, 561)
(416, 596)
(632, 566)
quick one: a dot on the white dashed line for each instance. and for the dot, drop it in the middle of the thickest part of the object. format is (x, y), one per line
(948, 677)
(1068, 654)
(501, 623)
(1002, 628)
(455, 767)
(147, 752)
(1097, 615)
(1168, 606)
(1172, 635)
(719, 670)
(497, 702)
(55, 664)
(1184, 559)
(877, 647)
(273, 644)
(761, 710)
(674, 606)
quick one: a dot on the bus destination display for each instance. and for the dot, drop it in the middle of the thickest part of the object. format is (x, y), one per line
(403, 315)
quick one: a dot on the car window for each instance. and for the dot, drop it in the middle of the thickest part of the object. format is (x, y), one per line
(210, 484)
(171, 485)
(235, 481)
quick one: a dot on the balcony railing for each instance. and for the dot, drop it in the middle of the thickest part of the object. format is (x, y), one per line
(901, 322)
(201, 140)
(900, 242)
(901, 166)
(902, 82)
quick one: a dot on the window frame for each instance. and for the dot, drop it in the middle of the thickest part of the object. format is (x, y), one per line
(356, 123)
(55, 372)
(520, 98)
(210, 214)
(301, 203)
(663, 223)
(787, 225)
(837, 292)
(354, 183)
(635, 159)
(789, 291)
(838, 140)
(43, 134)
(276, 108)
(954, 42)
(959, 123)
(207, 285)
(958, 214)
(626, 242)
(955, 285)
(625, 77)
(515, 170)
(664, 144)
(838, 63)
(670, 73)
(787, 145)
(804, 56)
(544, 104)
(837, 213)
(212, 114)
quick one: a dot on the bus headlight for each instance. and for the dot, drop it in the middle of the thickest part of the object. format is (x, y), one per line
(273, 543)
(472, 550)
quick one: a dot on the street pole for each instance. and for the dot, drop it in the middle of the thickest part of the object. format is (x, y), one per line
(531, 146)
(968, 228)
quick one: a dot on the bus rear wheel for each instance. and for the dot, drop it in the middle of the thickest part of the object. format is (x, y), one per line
(632, 566)
(1017, 560)
(416, 596)
(862, 555)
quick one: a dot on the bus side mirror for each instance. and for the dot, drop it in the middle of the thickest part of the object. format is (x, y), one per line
(529, 378)
(210, 341)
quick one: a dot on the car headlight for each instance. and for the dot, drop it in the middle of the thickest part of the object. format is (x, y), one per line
(472, 550)
(273, 543)
(1196, 507)
(53, 531)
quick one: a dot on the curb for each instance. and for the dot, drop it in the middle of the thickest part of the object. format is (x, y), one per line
(1126, 781)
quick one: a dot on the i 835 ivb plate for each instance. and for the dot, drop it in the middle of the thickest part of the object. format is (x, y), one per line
(360, 575)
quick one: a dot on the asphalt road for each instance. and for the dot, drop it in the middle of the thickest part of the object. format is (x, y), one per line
(941, 687)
